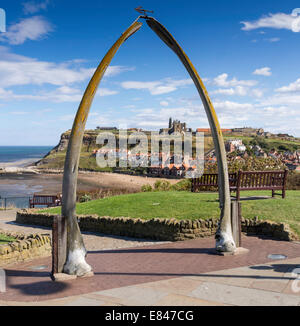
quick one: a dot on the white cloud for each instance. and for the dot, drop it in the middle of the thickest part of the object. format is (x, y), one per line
(7, 55)
(293, 87)
(273, 39)
(116, 70)
(222, 81)
(164, 103)
(235, 87)
(13, 73)
(276, 21)
(4, 93)
(59, 95)
(257, 92)
(233, 107)
(33, 28)
(105, 92)
(33, 7)
(29, 71)
(129, 106)
(157, 87)
(17, 70)
(266, 71)
(19, 112)
(289, 99)
(239, 91)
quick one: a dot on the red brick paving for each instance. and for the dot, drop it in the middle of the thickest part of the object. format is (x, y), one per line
(123, 267)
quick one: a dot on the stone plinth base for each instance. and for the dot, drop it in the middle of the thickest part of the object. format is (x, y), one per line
(62, 277)
(238, 251)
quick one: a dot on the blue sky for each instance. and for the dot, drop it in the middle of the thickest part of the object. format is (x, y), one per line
(247, 53)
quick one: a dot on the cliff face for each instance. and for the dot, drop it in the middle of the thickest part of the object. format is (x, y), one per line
(55, 157)
(89, 138)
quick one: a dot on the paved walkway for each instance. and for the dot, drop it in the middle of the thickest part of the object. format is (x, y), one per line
(138, 272)
(180, 273)
(93, 241)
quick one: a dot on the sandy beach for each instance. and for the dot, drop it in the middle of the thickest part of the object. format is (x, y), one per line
(18, 164)
(87, 181)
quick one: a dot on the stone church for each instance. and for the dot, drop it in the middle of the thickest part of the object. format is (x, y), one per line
(175, 126)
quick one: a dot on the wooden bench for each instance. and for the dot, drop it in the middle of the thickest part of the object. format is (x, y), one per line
(246, 180)
(45, 200)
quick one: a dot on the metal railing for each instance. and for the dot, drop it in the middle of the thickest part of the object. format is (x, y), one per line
(14, 202)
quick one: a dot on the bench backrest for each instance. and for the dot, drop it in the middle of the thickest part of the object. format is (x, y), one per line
(44, 199)
(211, 179)
(246, 180)
(261, 179)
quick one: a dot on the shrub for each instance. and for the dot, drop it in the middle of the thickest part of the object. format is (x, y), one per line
(103, 193)
(183, 185)
(85, 198)
(162, 185)
(146, 188)
(293, 181)
(248, 164)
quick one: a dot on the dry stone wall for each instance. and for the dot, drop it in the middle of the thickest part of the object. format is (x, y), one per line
(160, 229)
(25, 247)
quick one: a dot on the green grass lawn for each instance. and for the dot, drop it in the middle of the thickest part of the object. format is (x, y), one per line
(187, 205)
(5, 239)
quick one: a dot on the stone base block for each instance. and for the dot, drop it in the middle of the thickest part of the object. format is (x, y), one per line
(238, 251)
(89, 274)
(62, 277)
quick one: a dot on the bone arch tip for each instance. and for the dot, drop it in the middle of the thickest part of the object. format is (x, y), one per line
(135, 27)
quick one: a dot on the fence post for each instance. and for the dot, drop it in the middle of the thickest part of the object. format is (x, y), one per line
(236, 223)
(2, 281)
(59, 245)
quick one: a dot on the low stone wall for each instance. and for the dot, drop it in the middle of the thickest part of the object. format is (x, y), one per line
(159, 229)
(280, 231)
(24, 248)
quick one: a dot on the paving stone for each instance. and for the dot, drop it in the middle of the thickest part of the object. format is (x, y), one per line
(107, 301)
(226, 277)
(182, 300)
(268, 285)
(124, 276)
(182, 285)
(293, 287)
(133, 295)
(235, 295)
(83, 301)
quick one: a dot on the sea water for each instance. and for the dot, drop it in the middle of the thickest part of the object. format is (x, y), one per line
(10, 154)
(17, 195)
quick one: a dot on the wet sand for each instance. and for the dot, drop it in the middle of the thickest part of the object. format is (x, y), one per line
(87, 181)
(18, 164)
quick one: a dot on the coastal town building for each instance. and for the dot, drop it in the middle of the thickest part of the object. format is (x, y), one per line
(235, 145)
(106, 128)
(164, 164)
(174, 127)
(248, 131)
(208, 130)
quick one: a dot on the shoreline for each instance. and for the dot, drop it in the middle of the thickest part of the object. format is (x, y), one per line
(23, 177)
(51, 183)
(23, 163)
